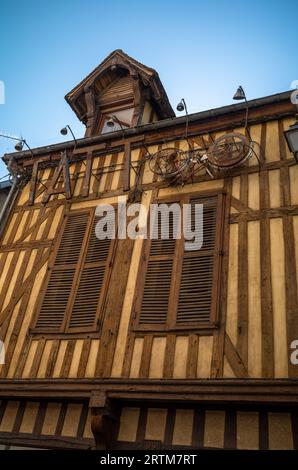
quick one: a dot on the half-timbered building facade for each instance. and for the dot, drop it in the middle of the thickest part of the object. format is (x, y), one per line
(138, 343)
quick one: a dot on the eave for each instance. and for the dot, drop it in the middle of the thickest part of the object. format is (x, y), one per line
(232, 115)
(211, 391)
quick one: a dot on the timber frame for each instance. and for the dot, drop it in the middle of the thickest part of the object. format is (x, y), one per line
(220, 391)
(106, 398)
(104, 372)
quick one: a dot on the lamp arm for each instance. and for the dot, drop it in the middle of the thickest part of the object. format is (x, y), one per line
(29, 148)
(186, 123)
(246, 115)
(183, 101)
(73, 136)
(117, 120)
(246, 120)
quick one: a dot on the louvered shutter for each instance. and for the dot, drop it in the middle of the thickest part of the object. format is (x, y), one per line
(196, 285)
(61, 278)
(156, 293)
(187, 280)
(89, 294)
(78, 279)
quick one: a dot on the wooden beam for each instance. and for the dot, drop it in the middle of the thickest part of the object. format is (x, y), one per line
(240, 390)
(217, 363)
(192, 356)
(234, 359)
(103, 416)
(90, 104)
(126, 169)
(291, 289)
(240, 205)
(86, 182)
(230, 435)
(266, 284)
(263, 214)
(49, 442)
(23, 287)
(33, 183)
(63, 168)
(242, 326)
(146, 356)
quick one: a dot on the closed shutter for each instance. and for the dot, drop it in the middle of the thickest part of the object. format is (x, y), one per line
(157, 286)
(77, 282)
(89, 295)
(195, 294)
(61, 277)
(181, 287)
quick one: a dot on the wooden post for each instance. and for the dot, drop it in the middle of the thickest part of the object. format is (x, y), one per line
(33, 183)
(86, 182)
(126, 169)
(103, 418)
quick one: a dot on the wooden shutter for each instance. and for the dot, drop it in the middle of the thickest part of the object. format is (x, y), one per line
(181, 287)
(196, 285)
(94, 275)
(156, 293)
(61, 277)
(77, 281)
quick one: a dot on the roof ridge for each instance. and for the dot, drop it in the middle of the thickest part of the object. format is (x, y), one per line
(119, 51)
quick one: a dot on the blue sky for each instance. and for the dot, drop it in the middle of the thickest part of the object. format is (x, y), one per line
(202, 50)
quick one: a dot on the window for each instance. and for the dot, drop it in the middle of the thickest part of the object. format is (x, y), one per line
(73, 294)
(180, 288)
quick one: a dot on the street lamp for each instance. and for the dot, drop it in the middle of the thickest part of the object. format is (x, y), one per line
(112, 120)
(181, 106)
(291, 136)
(239, 96)
(64, 131)
(20, 143)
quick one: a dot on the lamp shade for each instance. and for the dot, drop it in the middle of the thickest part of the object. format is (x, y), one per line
(64, 131)
(291, 136)
(110, 122)
(19, 146)
(180, 106)
(239, 95)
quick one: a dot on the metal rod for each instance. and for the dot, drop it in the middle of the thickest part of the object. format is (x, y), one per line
(10, 137)
(73, 136)
(186, 122)
(119, 122)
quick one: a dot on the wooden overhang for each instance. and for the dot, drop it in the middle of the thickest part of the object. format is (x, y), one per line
(220, 391)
